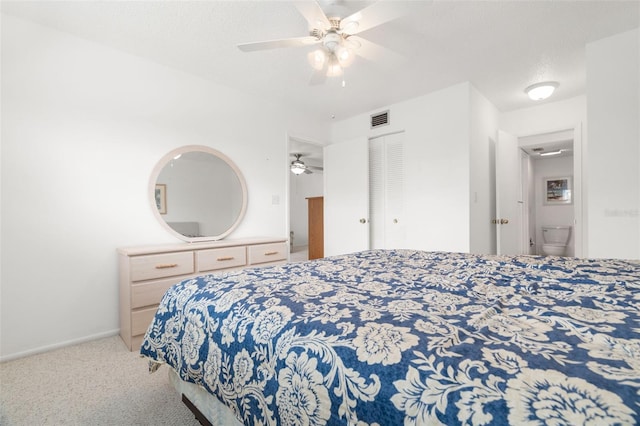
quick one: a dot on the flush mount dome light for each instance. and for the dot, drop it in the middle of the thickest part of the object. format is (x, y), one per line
(540, 91)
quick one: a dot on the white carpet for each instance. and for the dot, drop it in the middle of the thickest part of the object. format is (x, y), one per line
(94, 383)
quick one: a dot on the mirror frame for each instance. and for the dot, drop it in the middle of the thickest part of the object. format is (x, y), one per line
(199, 148)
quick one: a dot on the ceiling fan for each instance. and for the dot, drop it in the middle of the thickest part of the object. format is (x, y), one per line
(298, 167)
(336, 36)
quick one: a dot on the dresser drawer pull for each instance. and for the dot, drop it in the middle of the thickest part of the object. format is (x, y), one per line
(270, 253)
(166, 265)
(222, 259)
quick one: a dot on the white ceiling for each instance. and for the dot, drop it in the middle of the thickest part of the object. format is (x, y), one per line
(499, 46)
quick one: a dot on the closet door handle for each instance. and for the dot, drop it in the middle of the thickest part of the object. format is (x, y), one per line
(363, 220)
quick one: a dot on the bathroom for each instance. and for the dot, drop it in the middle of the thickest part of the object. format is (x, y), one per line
(548, 180)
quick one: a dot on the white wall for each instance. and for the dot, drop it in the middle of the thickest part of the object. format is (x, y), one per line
(482, 199)
(613, 155)
(546, 117)
(438, 147)
(82, 129)
(301, 187)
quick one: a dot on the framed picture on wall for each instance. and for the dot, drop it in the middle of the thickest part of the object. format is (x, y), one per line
(161, 198)
(557, 190)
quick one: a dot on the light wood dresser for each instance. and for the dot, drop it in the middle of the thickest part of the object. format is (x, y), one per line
(146, 273)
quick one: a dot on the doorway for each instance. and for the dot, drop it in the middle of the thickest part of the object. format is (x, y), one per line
(302, 186)
(548, 161)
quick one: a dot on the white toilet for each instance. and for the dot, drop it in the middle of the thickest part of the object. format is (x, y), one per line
(555, 240)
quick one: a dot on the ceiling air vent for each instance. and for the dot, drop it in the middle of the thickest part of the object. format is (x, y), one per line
(381, 119)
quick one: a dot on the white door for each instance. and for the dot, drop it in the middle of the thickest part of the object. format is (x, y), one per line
(386, 191)
(346, 197)
(508, 202)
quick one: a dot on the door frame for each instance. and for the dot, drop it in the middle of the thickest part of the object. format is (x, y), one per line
(525, 197)
(307, 141)
(579, 199)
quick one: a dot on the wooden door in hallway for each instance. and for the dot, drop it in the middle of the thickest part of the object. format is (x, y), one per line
(316, 227)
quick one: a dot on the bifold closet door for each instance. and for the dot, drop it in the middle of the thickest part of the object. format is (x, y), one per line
(386, 191)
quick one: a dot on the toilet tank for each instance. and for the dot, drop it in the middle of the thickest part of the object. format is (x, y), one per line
(556, 234)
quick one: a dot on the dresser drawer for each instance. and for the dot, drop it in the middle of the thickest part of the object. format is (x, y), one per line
(140, 320)
(161, 265)
(222, 258)
(150, 293)
(264, 253)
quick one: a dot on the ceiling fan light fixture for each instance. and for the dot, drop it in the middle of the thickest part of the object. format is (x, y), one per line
(334, 69)
(333, 34)
(297, 170)
(317, 59)
(298, 167)
(345, 56)
(540, 91)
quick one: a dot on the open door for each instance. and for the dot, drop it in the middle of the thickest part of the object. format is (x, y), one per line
(509, 204)
(346, 197)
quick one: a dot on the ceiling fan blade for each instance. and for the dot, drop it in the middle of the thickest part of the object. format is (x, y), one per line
(298, 155)
(275, 44)
(372, 16)
(376, 53)
(313, 14)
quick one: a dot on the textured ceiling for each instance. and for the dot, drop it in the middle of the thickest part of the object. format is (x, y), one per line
(499, 46)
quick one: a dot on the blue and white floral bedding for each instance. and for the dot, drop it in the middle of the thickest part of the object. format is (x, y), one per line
(409, 337)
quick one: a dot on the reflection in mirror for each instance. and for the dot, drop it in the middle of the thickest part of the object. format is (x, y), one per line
(198, 193)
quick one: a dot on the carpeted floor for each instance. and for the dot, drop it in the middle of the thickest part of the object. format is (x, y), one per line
(94, 383)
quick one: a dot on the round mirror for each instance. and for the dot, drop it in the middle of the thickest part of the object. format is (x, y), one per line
(198, 193)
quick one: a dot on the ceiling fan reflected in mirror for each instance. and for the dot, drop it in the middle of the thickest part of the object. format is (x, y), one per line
(298, 166)
(335, 36)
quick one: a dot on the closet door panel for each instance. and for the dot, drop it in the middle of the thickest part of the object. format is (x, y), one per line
(376, 193)
(386, 192)
(395, 234)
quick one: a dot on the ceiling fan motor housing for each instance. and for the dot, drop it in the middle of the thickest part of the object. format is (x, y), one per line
(332, 41)
(335, 24)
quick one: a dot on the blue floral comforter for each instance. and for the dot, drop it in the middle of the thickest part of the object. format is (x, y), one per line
(410, 337)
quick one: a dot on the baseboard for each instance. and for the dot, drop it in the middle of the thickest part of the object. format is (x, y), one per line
(55, 346)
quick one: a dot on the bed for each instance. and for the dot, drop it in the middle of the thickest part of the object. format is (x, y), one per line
(392, 337)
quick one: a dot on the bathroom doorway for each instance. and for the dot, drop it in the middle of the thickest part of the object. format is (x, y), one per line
(549, 180)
